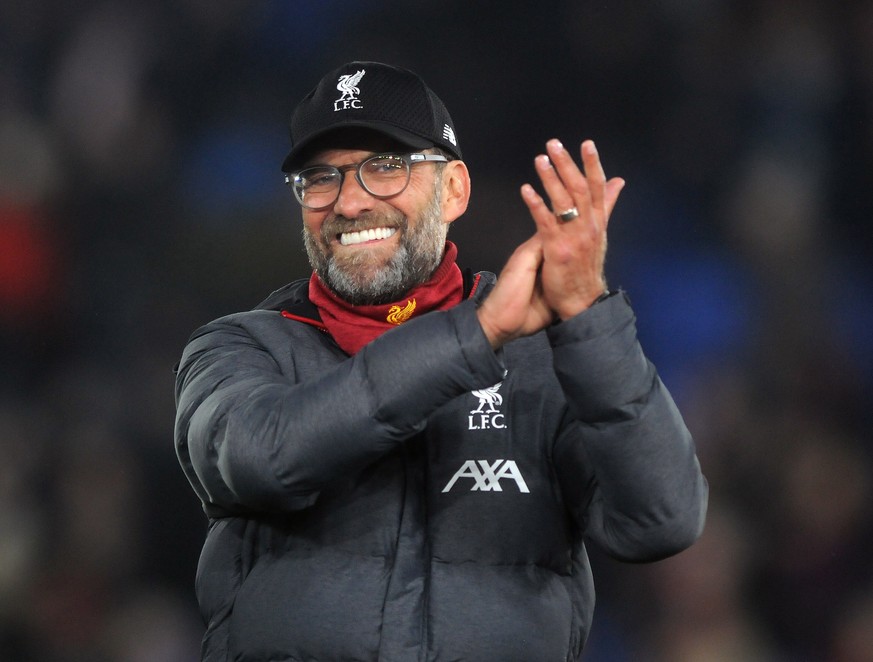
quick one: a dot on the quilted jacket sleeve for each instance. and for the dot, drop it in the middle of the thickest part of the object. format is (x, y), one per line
(626, 460)
(251, 439)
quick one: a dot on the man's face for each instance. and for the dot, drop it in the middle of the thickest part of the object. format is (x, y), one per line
(372, 251)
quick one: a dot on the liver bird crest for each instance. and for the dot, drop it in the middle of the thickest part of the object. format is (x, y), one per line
(348, 84)
(488, 397)
(398, 315)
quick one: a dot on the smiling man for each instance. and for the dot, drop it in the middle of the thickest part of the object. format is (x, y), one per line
(371, 253)
(401, 461)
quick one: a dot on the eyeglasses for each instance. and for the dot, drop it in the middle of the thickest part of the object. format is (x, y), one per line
(382, 176)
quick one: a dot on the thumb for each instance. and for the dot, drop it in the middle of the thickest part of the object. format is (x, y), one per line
(528, 255)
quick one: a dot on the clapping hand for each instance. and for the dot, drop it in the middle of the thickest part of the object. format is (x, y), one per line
(559, 271)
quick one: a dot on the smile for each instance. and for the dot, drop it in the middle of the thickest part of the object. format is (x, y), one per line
(351, 238)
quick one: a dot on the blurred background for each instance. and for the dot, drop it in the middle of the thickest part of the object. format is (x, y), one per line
(140, 197)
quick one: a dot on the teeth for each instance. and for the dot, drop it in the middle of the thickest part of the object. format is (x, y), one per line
(350, 238)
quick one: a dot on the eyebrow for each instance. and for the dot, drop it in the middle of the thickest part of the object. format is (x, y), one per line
(313, 163)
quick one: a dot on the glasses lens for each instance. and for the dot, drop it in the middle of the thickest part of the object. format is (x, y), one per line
(385, 176)
(317, 187)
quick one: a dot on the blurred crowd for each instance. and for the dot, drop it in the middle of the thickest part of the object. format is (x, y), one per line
(140, 196)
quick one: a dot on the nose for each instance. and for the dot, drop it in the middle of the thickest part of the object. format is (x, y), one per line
(353, 199)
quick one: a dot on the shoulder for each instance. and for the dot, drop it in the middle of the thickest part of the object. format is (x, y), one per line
(294, 293)
(272, 323)
(271, 311)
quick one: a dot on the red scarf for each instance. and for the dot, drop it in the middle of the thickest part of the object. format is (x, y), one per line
(355, 326)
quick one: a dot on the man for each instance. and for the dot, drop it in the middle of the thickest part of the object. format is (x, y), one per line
(401, 462)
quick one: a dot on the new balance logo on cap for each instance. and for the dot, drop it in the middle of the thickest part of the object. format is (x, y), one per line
(486, 475)
(449, 134)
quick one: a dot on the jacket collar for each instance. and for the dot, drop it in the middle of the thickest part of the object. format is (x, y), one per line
(293, 302)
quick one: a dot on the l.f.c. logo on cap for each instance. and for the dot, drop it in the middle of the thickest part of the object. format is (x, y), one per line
(348, 85)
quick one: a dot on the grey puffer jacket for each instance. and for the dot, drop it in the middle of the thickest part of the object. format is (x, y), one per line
(425, 499)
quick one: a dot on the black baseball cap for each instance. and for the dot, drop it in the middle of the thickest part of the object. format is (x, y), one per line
(370, 97)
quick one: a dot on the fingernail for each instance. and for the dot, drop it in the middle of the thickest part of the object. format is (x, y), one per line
(555, 144)
(527, 191)
(543, 161)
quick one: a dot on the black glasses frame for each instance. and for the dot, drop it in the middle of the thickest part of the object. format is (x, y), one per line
(295, 179)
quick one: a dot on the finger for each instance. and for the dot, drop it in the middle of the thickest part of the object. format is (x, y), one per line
(543, 217)
(594, 174)
(524, 262)
(523, 265)
(561, 199)
(528, 255)
(573, 182)
(613, 188)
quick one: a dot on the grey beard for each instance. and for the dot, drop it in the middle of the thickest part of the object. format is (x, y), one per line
(417, 257)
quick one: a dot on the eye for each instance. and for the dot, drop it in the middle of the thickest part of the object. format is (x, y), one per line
(385, 166)
(317, 178)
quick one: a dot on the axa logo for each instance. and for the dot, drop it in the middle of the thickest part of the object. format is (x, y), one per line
(347, 84)
(486, 476)
(487, 415)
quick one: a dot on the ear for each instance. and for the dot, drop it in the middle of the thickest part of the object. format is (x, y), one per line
(456, 190)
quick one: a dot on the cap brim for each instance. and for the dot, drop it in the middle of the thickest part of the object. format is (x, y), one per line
(352, 135)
